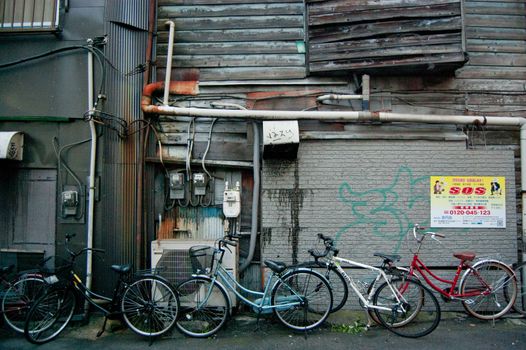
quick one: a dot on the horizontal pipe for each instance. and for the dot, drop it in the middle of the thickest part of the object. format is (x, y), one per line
(334, 116)
(339, 97)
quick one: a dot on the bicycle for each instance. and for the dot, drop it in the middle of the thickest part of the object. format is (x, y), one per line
(401, 304)
(147, 303)
(300, 298)
(18, 294)
(487, 289)
(520, 302)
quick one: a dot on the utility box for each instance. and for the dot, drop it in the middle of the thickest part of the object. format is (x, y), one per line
(281, 139)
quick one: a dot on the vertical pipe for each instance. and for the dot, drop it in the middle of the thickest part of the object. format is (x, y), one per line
(169, 62)
(523, 195)
(255, 197)
(93, 155)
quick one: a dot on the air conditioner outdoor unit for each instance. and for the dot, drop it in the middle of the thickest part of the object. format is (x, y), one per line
(171, 258)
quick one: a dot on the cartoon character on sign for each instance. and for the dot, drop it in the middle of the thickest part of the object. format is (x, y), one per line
(438, 188)
(495, 187)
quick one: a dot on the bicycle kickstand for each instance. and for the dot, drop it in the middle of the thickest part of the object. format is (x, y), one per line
(101, 331)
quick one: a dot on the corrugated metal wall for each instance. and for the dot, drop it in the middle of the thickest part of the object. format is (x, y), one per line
(126, 27)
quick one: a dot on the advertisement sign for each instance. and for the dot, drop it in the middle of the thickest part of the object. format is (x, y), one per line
(468, 201)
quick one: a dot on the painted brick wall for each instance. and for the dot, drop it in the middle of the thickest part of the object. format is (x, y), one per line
(368, 193)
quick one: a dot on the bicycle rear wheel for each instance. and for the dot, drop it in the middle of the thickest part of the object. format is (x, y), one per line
(149, 306)
(205, 307)
(49, 315)
(494, 289)
(520, 302)
(18, 299)
(312, 295)
(412, 312)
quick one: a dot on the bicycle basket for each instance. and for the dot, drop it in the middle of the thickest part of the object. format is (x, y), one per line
(202, 259)
(57, 266)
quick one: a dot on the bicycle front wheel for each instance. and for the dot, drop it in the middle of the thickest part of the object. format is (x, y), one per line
(492, 288)
(149, 306)
(205, 307)
(340, 289)
(520, 302)
(302, 300)
(18, 299)
(49, 315)
(406, 307)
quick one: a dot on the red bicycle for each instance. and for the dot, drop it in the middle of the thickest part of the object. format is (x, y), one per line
(487, 289)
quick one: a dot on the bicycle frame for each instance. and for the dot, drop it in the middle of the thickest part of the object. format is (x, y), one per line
(380, 274)
(89, 295)
(418, 265)
(222, 277)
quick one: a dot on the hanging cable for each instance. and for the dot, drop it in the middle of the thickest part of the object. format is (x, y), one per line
(61, 163)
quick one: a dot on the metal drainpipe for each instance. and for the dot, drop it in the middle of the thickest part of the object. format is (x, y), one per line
(255, 198)
(93, 160)
(169, 62)
(523, 196)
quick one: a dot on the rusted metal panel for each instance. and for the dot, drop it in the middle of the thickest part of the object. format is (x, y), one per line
(194, 223)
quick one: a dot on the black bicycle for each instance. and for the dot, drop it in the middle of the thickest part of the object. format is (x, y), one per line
(147, 303)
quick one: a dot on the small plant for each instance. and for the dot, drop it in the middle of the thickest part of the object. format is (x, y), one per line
(356, 328)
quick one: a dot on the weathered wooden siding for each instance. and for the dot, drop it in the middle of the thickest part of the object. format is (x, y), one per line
(379, 35)
(235, 40)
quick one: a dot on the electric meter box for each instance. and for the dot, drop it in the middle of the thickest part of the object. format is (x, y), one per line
(231, 202)
(281, 139)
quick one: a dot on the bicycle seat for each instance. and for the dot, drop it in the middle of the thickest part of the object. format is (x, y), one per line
(388, 257)
(121, 269)
(276, 266)
(465, 256)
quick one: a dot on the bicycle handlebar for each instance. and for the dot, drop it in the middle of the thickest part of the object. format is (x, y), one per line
(417, 227)
(329, 246)
(74, 255)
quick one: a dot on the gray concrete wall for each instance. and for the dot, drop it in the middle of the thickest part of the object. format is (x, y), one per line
(368, 193)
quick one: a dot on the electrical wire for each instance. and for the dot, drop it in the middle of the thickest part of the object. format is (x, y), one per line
(62, 163)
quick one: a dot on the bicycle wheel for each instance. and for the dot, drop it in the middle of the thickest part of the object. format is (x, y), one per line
(520, 302)
(18, 299)
(205, 307)
(412, 312)
(149, 306)
(340, 289)
(493, 287)
(49, 315)
(312, 295)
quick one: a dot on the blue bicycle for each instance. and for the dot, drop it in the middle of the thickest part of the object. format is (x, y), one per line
(301, 298)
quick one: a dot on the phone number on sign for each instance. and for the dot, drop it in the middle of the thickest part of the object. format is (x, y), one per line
(468, 212)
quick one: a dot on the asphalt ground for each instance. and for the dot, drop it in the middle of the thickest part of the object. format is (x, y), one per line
(456, 331)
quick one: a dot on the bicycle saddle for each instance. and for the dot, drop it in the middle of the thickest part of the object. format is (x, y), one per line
(388, 257)
(276, 266)
(465, 256)
(121, 268)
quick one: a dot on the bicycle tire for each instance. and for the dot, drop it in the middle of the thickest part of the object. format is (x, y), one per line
(503, 293)
(204, 309)
(18, 298)
(149, 306)
(49, 315)
(340, 288)
(418, 313)
(520, 302)
(313, 292)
